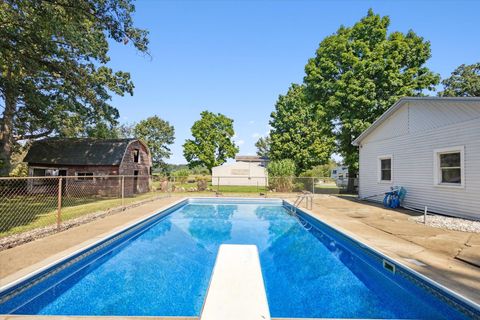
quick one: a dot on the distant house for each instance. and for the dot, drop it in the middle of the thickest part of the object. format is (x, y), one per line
(245, 171)
(261, 161)
(340, 175)
(87, 160)
(430, 146)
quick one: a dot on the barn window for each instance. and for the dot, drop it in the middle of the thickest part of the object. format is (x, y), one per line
(37, 172)
(136, 155)
(385, 168)
(84, 175)
(449, 169)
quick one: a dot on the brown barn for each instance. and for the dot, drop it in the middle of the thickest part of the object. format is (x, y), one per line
(86, 160)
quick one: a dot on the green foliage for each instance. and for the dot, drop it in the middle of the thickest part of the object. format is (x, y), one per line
(54, 78)
(158, 134)
(281, 175)
(300, 131)
(263, 147)
(181, 175)
(212, 142)
(321, 171)
(464, 82)
(359, 71)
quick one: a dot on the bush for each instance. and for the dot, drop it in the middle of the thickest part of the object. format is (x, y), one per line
(202, 183)
(281, 175)
(181, 175)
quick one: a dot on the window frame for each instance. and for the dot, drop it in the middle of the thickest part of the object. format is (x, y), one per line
(82, 176)
(136, 154)
(437, 169)
(379, 168)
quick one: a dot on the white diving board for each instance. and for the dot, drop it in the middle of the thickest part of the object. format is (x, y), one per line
(236, 290)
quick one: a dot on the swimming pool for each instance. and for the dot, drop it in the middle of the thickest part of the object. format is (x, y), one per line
(162, 266)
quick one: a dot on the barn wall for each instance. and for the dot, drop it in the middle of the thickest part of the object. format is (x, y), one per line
(430, 127)
(128, 167)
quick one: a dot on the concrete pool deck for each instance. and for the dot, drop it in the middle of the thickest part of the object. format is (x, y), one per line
(448, 257)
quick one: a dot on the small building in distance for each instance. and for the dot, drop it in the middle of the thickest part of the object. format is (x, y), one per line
(86, 161)
(431, 147)
(261, 161)
(245, 171)
(340, 175)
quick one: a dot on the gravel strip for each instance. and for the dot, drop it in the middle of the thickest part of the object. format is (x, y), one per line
(457, 224)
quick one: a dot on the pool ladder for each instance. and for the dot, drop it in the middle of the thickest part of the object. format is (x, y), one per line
(307, 196)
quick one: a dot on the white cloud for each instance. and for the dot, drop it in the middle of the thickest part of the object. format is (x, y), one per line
(240, 142)
(256, 135)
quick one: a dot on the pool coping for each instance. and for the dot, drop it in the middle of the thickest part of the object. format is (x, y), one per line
(166, 210)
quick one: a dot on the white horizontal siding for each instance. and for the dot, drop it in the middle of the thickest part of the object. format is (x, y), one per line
(427, 115)
(413, 166)
(396, 125)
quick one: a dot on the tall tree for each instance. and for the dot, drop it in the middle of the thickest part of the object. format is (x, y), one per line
(53, 57)
(263, 146)
(300, 131)
(463, 82)
(212, 142)
(359, 71)
(158, 134)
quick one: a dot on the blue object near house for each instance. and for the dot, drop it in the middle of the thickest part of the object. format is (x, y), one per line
(394, 198)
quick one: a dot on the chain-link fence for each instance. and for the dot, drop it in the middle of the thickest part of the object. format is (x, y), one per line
(50, 204)
(55, 202)
(242, 184)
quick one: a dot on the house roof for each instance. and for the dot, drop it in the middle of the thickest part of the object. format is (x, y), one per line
(78, 151)
(397, 105)
(251, 158)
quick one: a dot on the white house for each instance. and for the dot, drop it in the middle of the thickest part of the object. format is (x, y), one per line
(431, 147)
(246, 171)
(340, 174)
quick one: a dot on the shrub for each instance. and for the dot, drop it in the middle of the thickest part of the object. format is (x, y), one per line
(281, 175)
(202, 183)
(181, 175)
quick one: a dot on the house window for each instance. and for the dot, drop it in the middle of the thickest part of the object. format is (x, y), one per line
(136, 155)
(84, 175)
(334, 171)
(449, 168)
(385, 168)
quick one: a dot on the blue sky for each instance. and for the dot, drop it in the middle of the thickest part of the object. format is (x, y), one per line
(237, 57)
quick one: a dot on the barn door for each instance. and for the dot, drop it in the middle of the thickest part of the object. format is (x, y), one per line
(135, 181)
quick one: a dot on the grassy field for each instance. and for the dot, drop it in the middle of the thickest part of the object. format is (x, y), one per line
(24, 213)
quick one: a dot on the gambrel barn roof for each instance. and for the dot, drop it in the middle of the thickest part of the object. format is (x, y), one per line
(78, 151)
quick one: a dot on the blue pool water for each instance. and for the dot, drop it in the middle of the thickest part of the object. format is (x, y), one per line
(165, 270)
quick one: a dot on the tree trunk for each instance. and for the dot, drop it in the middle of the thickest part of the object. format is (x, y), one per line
(6, 131)
(352, 175)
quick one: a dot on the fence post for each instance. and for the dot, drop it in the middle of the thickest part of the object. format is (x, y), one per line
(59, 203)
(313, 186)
(123, 192)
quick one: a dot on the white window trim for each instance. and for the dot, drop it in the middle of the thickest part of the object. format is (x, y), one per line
(436, 167)
(379, 168)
